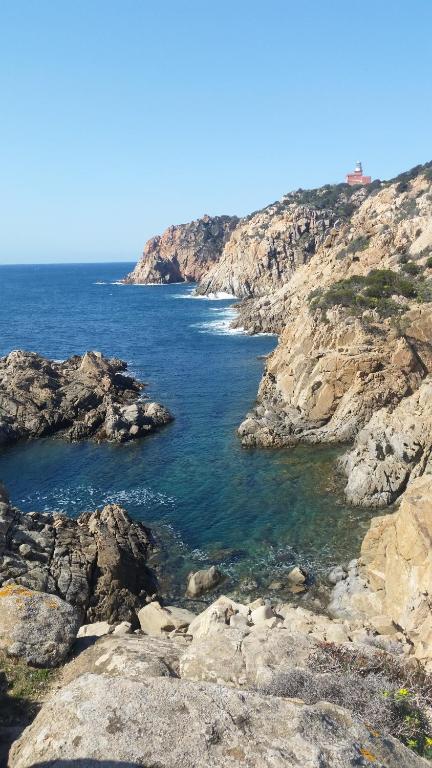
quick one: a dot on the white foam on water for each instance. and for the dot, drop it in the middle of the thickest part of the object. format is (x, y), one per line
(87, 498)
(218, 296)
(222, 326)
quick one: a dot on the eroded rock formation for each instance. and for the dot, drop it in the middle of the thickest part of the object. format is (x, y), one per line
(82, 397)
(392, 581)
(97, 563)
(183, 253)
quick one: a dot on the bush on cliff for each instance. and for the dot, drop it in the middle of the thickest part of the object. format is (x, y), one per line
(372, 291)
(375, 688)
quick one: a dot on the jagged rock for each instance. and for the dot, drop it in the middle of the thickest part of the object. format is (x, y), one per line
(392, 450)
(216, 617)
(82, 397)
(35, 627)
(203, 581)
(155, 619)
(172, 722)
(184, 252)
(97, 629)
(391, 584)
(266, 248)
(97, 562)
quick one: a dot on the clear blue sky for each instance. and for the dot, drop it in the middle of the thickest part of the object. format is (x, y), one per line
(121, 117)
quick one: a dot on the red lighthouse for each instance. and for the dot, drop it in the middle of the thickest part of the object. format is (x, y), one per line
(357, 176)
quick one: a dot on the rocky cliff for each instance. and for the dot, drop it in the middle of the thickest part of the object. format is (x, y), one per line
(82, 397)
(183, 253)
(267, 247)
(355, 348)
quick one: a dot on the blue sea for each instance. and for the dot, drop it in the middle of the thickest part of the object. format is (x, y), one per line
(208, 500)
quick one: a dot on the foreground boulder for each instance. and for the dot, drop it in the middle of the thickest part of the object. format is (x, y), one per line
(171, 723)
(83, 397)
(35, 627)
(97, 563)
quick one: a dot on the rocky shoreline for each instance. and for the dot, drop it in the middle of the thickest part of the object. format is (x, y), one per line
(83, 397)
(236, 670)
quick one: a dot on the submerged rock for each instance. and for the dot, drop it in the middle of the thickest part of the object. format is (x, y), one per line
(203, 581)
(80, 398)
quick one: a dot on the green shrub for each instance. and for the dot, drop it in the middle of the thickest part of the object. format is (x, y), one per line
(410, 268)
(372, 291)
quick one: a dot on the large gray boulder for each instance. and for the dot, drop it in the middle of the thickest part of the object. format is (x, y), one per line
(36, 627)
(171, 723)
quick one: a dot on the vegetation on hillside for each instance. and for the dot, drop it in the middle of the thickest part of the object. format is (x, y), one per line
(376, 290)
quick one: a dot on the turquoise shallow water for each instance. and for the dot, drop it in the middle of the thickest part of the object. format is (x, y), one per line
(255, 511)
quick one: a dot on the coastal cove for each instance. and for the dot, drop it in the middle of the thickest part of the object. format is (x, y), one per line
(255, 512)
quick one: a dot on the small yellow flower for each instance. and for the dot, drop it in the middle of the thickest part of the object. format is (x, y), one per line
(428, 741)
(403, 692)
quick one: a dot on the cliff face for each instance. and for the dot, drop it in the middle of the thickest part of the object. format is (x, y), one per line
(267, 247)
(185, 252)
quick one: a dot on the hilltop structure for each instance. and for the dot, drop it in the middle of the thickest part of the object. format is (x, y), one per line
(357, 176)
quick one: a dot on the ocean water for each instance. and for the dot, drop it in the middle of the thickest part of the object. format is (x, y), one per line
(256, 512)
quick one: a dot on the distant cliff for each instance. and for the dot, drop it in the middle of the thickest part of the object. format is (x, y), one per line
(184, 252)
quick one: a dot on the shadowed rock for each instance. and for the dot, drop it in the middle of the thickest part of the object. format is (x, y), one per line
(97, 562)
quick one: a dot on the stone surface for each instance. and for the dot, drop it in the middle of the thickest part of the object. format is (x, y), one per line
(83, 397)
(216, 617)
(184, 252)
(392, 450)
(155, 619)
(38, 628)
(297, 575)
(168, 723)
(131, 656)
(97, 629)
(97, 562)
(391, 584)
(203, 581)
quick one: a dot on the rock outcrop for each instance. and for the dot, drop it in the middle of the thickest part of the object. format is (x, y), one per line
(80, 398)
(183, 253)
(392, 450)
(391, 584)
(96, 563)
(172, 722)
(173, 700)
